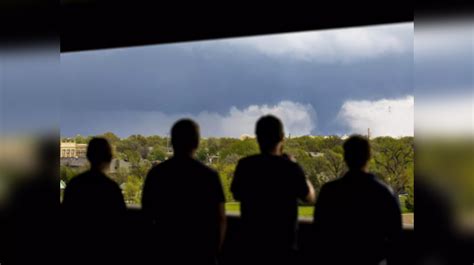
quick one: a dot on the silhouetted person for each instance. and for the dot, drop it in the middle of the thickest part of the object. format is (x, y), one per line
(268, 185)
(32, 216)
(94, 211)
(185, 201)
(357, 218)
(435, 241)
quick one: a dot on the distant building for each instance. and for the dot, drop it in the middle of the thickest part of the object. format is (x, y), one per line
(82, 163)
(246, 136)
(71, 149)
(74, 162)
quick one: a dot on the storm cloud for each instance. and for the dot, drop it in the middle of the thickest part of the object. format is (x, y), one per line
(299, 119)
(320, 69)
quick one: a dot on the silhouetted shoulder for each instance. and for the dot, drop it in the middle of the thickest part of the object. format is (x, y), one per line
(88, 174)
(204, 168)
(277, 160)
(173, 164)
(161, 165)
(94, 193)
(82, 180)
(153, 177)
(378, 185)
(360, 180)
(159, 169)
(167, 180)
(247, 162)
(333, 184)
(156, 168)
(90, 187)
(249, 159)
(76, 181)
(382, 185)
(331, 188)
(286, 161)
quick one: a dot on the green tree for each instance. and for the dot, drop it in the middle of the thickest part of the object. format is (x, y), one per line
(313, 167)
(392, 159)
(231, 159)
(133, 157)
(331, 142)
(158, 153)
(307, 143)
(140, 168)
(140, 139)
(157, 140)
(111, 137)
(136, 143)
(241, 148)
(132, 190)
(410, 200)
(121, 175)
(67, 173)
(81, 139)
(202, 154)
(320, 175)
(226, 173)
(334, 165)
(213, 146)
(319, 167)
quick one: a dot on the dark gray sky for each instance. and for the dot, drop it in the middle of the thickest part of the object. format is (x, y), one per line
(306, 78)
(322, 82)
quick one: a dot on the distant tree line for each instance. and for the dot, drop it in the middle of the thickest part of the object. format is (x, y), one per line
(320, 156)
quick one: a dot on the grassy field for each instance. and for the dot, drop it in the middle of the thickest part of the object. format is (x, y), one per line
(303, 211)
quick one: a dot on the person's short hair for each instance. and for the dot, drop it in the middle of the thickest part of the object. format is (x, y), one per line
(269, 131)
(185, 136)
(356, 151)
(99, 151)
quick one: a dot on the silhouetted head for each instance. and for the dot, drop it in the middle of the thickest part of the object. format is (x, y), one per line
(269, 131)
(356, 152)
(185, 137)
(99, 152)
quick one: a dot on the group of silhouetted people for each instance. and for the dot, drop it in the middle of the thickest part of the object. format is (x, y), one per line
(357, 218)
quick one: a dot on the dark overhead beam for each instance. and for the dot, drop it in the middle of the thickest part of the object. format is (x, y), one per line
(88, 25)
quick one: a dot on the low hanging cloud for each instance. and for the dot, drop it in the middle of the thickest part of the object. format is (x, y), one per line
(446, 115)
(298, 119)
(329, 46)
(384, 117)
